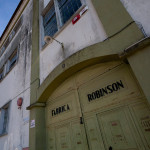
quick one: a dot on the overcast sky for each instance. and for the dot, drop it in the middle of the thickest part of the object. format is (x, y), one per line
(7, 8)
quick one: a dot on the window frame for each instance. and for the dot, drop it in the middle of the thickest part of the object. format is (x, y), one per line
(9, 65)
(6, 68)
(4, 119)
(1, 73)
(12, 34)
(60, 25)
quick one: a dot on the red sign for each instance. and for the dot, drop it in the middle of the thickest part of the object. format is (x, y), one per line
(76, 19)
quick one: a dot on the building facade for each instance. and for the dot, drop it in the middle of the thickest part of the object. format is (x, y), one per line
(81, 68)
(15, 66)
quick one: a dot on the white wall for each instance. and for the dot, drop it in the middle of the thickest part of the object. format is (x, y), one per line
(87, 31)
(139, 11)
(17, 84)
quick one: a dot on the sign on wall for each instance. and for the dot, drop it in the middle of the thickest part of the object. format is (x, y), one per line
(106, 90)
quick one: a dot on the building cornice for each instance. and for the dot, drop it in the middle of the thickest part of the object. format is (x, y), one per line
(135, 47)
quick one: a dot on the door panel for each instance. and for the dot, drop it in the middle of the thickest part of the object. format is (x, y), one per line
(70, 136)
(108, 90)
(92, 96)
(63, 137)
(64, 131)
(142, 119)
(63, 108)
(93, 133)
(79, 141)
(116, 131)
(51, 139)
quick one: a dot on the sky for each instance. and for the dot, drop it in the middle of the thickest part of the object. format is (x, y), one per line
(7, 8)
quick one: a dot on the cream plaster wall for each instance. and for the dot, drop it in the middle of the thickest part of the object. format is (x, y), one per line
(87, 31)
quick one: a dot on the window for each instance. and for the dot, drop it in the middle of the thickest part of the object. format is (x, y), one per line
(1, 73)
(12, 60)
(2, 50)
(50, 23)
(17, 26)
(6, 43)
(4, 119)
(10, 63)
(59, 13)
(12, 34)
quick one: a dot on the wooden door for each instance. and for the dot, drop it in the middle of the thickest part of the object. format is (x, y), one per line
(112, 107)
(109, 91)
(141, 117)
(117, 131)
(64, 129)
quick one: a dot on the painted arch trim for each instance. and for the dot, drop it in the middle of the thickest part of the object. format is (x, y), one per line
(97, 53)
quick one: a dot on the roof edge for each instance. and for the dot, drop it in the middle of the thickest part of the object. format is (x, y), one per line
(12, 17)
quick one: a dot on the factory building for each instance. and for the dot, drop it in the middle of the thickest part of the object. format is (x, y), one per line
(78, 70)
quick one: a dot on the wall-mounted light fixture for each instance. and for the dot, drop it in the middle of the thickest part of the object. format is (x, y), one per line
(49, 39)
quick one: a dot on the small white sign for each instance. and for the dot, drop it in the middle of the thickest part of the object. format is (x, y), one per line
(26, 120)
(84, 10)
(32, 124)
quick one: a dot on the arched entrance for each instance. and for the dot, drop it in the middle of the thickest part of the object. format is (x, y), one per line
(100, 107)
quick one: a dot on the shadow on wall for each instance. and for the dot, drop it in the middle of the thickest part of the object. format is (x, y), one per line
(9, 143)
